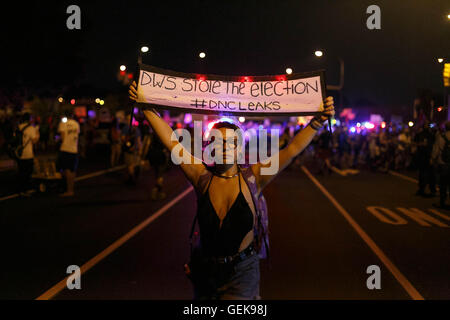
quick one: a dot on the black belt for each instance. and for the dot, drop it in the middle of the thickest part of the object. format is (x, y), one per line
(236, 258)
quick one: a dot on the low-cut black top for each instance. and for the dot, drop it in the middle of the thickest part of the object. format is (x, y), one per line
(223, 240)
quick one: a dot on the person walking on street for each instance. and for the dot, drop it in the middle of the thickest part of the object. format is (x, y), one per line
(69, 129)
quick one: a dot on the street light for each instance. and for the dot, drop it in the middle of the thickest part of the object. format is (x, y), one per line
(339, 87)
(144, 49)
(202, 55)
(440, 60)
(123, 68)
(289, 71)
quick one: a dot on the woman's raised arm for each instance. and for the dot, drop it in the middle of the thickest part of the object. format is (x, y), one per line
(297, 145)
(165, 132)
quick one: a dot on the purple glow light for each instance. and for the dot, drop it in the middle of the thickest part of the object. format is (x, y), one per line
(187, 118)
(91, 114)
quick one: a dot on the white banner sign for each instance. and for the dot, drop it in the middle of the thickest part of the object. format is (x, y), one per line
(296, 94)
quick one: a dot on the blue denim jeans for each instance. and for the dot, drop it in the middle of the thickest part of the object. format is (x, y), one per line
(242, 284)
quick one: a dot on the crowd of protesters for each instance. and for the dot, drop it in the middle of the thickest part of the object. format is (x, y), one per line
(66, 139)
(344, 151)
(424, 148)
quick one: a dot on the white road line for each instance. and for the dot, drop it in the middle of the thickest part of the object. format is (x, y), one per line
(99, 173)
(81, 178)
(9, 197)
(403, 176)
(372, 245)
(50, 293)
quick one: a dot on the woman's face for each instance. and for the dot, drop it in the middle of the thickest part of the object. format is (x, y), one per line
(225, 146)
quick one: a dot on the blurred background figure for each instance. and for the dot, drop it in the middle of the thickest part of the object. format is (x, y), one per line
(441, 157)
(158, 157)
(116, 143)
(69, 129)
(132, 144)
(27, 136)
(424, 140)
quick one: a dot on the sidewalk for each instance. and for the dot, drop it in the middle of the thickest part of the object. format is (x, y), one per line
(96, 160)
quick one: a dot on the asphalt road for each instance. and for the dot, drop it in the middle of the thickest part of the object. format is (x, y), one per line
(325, 231)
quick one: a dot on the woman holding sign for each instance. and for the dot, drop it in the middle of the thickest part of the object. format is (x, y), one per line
(226, 263)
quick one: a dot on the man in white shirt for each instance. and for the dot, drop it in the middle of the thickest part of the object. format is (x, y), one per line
(69, 129)
(25, 161)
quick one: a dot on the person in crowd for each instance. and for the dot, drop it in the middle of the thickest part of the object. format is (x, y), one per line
(227, 264)
(158, 158)
(25, 158)
(285, 138)
(131, 144)
(116, 143)
(424, 140)
(441, 158)
(69, 130)
(403, 149)
(345, 150)
(44, 133)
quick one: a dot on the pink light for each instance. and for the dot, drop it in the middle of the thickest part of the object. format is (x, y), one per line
(281, 78)
(200, 77)
(383, 125)
(72, 102)
(187, 118)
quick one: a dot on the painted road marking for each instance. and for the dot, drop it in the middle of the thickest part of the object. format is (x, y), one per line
(99, 173)
(81, 178)
(439, 214)
(50, 293)
(403, 176)
(414, 294)
(421, 217)
(9, 197)
(389, 216)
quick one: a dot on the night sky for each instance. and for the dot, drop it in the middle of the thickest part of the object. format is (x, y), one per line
(382, 67)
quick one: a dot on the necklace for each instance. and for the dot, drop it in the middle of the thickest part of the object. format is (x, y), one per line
(227, 177)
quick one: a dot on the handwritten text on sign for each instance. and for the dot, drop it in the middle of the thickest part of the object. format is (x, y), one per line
(201, 94)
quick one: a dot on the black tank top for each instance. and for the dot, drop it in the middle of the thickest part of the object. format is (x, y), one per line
(223, 240)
